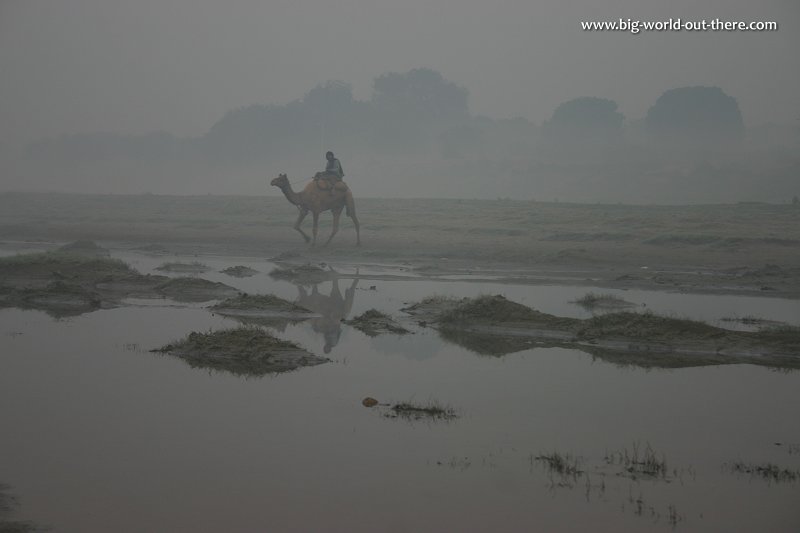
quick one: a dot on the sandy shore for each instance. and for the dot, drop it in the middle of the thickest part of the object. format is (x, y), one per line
(736, 249)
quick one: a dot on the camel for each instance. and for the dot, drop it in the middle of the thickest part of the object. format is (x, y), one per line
(317, 200)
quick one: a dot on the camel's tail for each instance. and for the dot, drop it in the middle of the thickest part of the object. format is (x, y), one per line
(350, 204)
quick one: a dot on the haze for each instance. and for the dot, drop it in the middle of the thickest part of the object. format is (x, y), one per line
(132, 68)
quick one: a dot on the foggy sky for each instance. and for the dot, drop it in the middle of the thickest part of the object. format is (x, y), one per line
(72, 66)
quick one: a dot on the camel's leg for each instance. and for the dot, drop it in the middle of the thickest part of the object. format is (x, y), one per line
(336, 214)
(315, 229)
(300, 217)
(351, 212)
(358, 231)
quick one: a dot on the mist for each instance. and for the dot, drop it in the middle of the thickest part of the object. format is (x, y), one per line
(558, 287)
(427, 99)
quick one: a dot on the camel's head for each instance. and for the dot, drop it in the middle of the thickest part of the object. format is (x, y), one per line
(280, 181)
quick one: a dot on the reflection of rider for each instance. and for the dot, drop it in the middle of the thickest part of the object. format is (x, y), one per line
(333, 308)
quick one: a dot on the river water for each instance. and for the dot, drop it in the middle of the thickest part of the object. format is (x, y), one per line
(99, 434)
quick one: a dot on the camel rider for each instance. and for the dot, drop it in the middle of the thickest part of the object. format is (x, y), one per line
(332, 174)
(333, 168)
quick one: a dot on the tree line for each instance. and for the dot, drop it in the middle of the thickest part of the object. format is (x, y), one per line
(418, 113)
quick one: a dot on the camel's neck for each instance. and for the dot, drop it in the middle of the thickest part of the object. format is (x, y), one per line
(292, 196)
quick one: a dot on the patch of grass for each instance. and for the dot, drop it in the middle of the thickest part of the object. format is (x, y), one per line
(646, 326)
(243, 351)
(488, 319)
(430, 307)
(194, 289)
(747, 319)
(65, 283)
(639, 461)
(374, 322)
(566, 470)
(767, 471)
(562, 464)
(495, 309)
(432, 410)
(372, 314)
(240, 271)
(63, 263)
(259, 302)
(262, 309)
(245, 340)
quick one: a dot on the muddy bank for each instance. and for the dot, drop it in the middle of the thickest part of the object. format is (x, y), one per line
(242, 351)
(262, 309)
(73, 280)
(194, 290)
(239, 271)
(724, 249)
(494, 325)
(374, 323)
(64, 283)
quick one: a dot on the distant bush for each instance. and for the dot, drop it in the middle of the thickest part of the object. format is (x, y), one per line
(588, 118)
(696, 115)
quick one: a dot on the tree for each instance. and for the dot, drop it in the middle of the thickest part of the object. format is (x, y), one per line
(704, 115)
(258, 132)
(328, 100)
(585, 119)
(411, 110)
(420, 93)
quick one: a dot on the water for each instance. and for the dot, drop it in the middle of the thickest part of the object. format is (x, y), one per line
(99, 434)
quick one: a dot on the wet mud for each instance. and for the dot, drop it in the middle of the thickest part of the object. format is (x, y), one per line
(493, 325)
(605, 247)
(374, 323)
(244, 351)
(195, 290)
(239, 271)
(262, 309)
(80, 278)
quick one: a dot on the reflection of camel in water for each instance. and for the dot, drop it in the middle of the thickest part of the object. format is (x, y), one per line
(316, 199)
(333, 308)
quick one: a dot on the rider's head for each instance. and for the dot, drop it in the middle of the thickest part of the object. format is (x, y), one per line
(329, 156)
